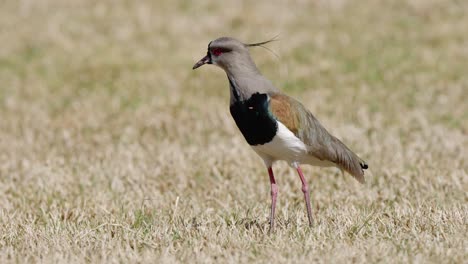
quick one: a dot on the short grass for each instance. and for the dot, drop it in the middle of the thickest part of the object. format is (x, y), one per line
(113, 150)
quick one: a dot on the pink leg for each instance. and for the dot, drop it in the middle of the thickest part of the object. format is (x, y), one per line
(305, 190)
(274, 193)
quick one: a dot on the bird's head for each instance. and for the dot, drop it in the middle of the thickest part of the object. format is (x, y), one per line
(229, 53)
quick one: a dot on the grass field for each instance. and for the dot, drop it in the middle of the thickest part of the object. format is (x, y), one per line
(113, 150)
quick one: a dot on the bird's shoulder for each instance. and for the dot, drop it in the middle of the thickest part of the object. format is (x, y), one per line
(284, 109)
(299, 120)
(294, 115)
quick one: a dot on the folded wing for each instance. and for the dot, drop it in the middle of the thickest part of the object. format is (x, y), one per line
(321, 144)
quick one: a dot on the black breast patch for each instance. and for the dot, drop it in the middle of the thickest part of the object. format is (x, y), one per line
(254, 119)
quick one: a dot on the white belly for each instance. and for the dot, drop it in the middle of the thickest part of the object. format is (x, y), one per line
(286, 146)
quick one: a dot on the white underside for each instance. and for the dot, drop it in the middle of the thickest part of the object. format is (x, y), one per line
(286, 146)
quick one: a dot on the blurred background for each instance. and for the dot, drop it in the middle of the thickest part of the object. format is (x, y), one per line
(113, 149)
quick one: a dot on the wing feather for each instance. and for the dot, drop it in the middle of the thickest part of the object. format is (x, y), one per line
(321, 144)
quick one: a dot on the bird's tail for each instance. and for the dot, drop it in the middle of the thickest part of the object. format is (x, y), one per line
(349, 161)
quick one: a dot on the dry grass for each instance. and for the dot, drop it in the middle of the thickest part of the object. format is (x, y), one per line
(112, 149)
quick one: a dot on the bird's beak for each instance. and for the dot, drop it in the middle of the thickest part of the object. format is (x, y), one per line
(204, 60)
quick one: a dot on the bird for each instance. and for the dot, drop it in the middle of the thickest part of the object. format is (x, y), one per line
(277, 126)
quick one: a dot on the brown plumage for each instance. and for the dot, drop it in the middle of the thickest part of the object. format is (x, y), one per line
(321, 144)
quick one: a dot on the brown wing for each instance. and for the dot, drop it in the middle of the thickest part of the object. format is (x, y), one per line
(282, 108)
(322, 145)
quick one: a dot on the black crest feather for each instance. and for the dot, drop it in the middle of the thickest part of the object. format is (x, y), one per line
(261, 44)
(275, 38)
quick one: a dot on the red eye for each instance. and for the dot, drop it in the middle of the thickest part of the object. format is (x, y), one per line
(216, 52)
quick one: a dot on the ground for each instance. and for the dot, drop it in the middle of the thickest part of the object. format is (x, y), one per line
(113, 150)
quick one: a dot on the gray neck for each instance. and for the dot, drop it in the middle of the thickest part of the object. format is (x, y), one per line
(245, 80)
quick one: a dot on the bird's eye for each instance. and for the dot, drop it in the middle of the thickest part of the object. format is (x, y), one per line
(218, 51)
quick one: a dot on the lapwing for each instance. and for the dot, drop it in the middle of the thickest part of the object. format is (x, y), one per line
(275, 125)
